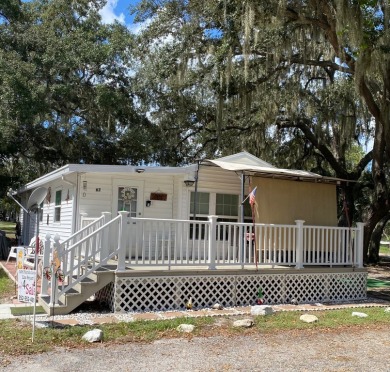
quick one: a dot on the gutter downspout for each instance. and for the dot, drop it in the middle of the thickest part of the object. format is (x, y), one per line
(76, 201)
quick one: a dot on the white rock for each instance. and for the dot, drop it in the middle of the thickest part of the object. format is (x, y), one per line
(261, 310)
(308, 318)
(217, 307)
(246, 323)
(359, 315)
(187, 328)
(95, 335)
(387, 310)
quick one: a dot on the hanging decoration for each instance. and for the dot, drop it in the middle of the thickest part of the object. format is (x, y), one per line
(47, 272)
(128, 194)
(67, 197)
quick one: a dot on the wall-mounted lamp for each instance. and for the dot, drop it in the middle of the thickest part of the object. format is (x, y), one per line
(140, 170)
(148, 203)
(189, 183)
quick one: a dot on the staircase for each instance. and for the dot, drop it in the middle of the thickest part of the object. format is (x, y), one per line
(83, 290)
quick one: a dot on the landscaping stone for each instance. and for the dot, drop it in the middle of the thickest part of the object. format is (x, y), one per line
(261, 310)
(187, 328)
(95, 335)
(359, 315)
(217, 307)
(308, 318)
(245, 323)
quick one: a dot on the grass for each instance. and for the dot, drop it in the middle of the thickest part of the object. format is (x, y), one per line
(9, 228)
(15, 335)
(385, 250)
(7, 286)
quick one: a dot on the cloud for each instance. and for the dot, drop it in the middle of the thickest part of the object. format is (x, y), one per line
(108, 13)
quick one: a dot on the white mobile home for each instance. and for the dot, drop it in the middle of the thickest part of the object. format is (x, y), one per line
(191, 219)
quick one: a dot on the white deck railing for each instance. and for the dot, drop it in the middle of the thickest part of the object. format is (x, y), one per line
(164, 242)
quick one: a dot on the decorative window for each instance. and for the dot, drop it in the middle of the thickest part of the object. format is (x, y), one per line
(57, 206)
(127, 200)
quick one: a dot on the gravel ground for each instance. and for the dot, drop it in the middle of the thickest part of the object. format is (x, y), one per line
(303, 350)
(356, 350)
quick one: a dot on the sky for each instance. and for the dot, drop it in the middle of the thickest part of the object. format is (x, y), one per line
(118, 10)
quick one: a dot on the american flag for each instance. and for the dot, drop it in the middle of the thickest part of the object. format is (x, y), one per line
(252, 196)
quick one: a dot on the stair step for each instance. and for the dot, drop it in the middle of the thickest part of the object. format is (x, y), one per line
(46, 300)
(85, 280)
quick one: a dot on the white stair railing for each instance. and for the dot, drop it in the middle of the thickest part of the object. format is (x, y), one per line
(80, 259)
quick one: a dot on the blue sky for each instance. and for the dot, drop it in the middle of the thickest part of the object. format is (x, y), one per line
(118, 10)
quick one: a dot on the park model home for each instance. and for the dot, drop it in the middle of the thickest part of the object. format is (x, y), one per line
(174, 233)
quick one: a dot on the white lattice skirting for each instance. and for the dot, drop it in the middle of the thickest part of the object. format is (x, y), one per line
(160, 293)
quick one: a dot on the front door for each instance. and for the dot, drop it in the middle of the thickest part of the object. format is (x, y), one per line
(128, 195)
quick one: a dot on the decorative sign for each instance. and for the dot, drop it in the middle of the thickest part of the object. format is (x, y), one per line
(158, 196)
(19, 258)
(26, 285)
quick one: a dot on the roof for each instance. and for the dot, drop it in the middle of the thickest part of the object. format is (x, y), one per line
(247, 163)
(240, 162)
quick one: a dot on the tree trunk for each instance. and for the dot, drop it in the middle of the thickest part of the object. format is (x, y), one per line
(376, 236)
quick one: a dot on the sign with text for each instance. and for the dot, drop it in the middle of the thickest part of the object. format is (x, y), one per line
(26, 285)
(19, 257)
(158, 196)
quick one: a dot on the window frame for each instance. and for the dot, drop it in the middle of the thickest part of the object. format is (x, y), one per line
(57, 207)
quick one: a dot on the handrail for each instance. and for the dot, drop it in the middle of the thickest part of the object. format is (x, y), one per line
(75, 266)
(88, 227)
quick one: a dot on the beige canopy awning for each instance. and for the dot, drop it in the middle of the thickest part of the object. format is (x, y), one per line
(249, 164)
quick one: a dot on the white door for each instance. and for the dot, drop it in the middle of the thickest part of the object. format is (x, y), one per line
(128, 195)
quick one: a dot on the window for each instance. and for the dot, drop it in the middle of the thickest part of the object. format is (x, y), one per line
(57, 206)
(226, 205)
(203, 203)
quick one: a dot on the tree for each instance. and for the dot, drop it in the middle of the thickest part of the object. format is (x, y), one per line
(67, 92)
(310, 78)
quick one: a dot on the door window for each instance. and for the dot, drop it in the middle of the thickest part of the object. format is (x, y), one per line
(127, 200)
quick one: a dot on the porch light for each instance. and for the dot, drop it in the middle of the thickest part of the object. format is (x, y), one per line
(140, 170)
(189, 183)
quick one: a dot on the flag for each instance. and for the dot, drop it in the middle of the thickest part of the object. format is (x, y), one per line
(252, 196)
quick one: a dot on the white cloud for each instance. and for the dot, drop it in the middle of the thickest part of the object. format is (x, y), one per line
(108, 13)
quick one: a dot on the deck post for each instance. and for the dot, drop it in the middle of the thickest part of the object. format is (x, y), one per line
(122, 241)
(299, 244)
(45, 263)
(56, 260)
(359, 244)
(212, 241)
(104, 248)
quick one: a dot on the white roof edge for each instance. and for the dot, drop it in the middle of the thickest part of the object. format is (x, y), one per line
(97, 168)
